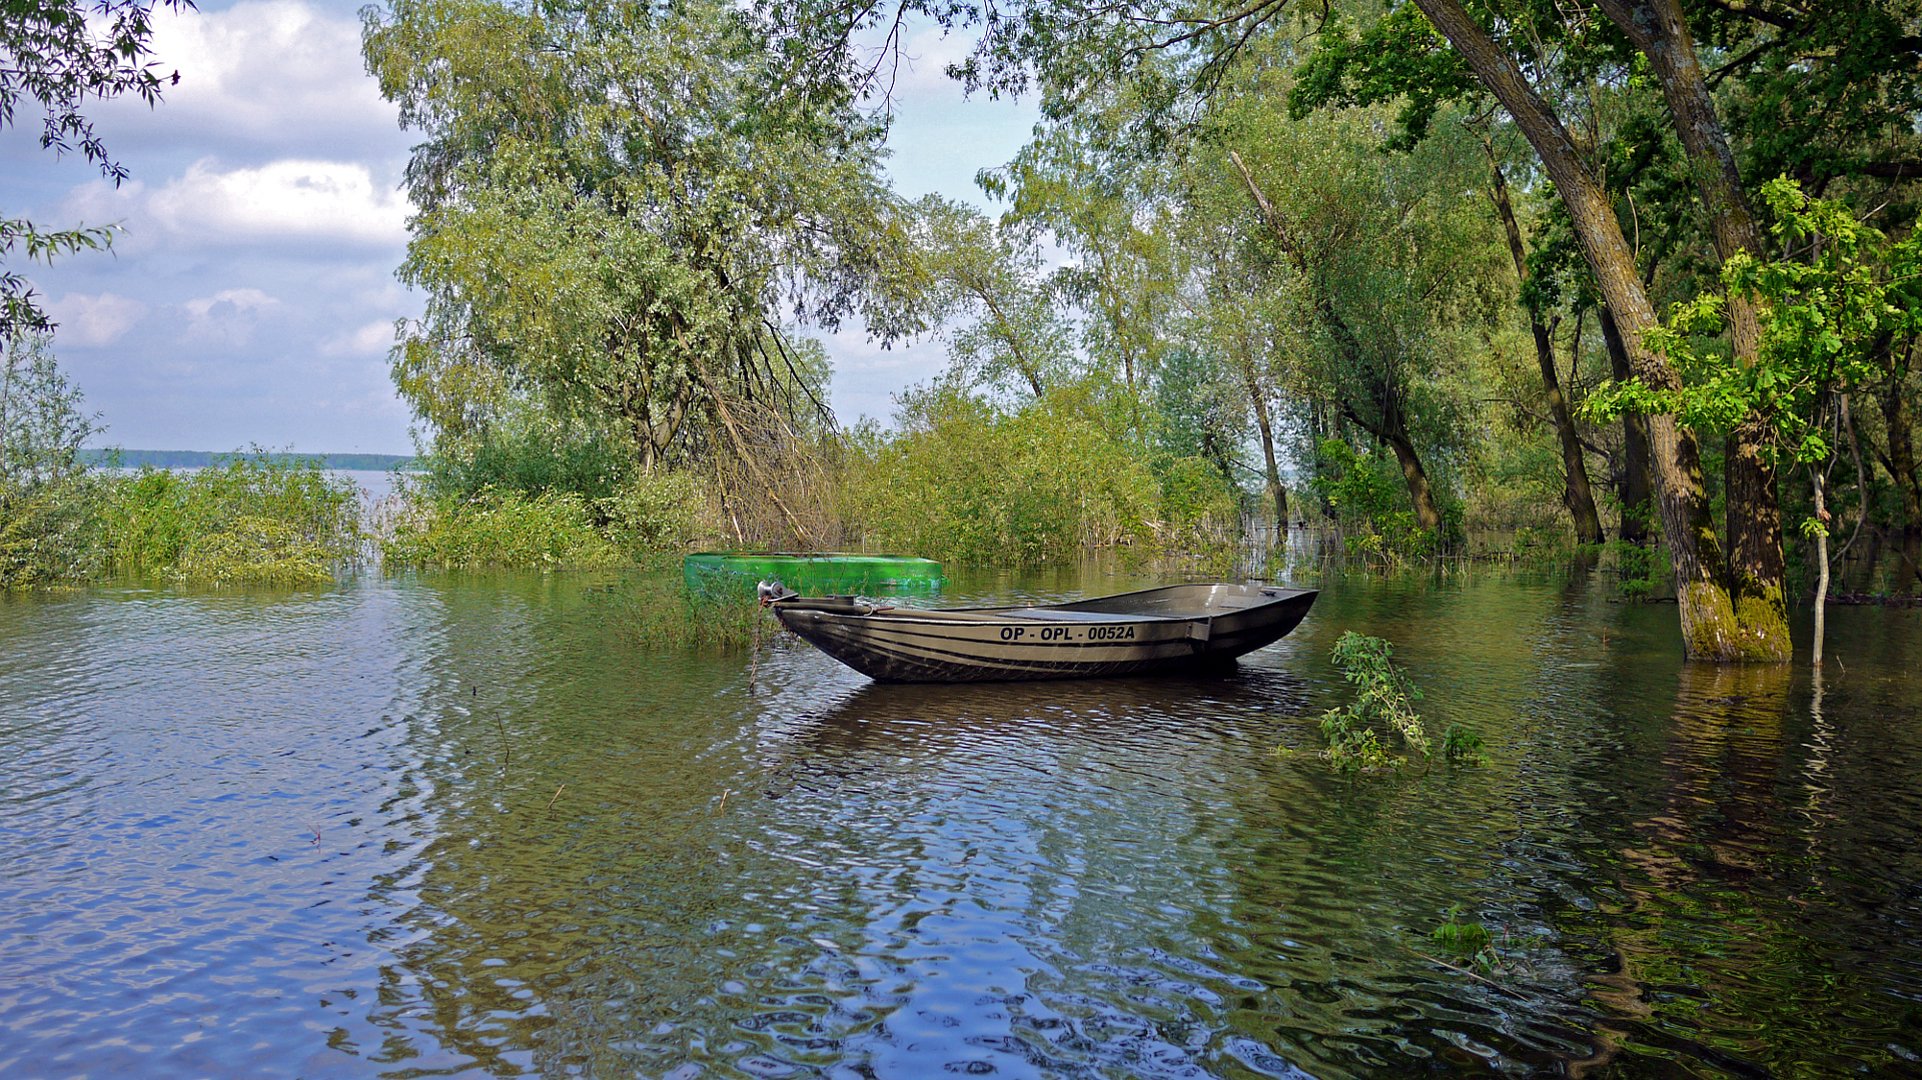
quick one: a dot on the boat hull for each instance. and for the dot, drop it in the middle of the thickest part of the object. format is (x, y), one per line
(1175, 628)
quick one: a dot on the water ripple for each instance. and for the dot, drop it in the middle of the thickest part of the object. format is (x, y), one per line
(432, 827)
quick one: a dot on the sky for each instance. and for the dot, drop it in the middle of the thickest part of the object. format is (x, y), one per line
(251, 299)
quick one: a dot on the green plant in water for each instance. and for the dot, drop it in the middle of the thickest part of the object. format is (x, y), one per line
(498, 528)
(656, 611)
(247, 521)
(1460, 744)
(1640, 570)
(1466, 940)
(1384, 699)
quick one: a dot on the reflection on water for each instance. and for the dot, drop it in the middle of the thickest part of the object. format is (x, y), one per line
(419, 827)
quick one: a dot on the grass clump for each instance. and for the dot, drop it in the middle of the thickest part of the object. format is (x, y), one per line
(496, 528)
(658, 612)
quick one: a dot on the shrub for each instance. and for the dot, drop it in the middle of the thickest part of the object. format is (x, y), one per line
(654, 512)
(971, 483)
(552, 530)
(250, 520)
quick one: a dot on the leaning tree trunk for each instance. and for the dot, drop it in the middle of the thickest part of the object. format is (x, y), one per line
(1757, 569)
(1421, 495)
(1711, 626)
(1633, 489)
(1577, 493)
(1392, 429)
(1267, 430)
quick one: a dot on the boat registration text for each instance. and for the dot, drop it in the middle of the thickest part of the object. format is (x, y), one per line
(1068, 633)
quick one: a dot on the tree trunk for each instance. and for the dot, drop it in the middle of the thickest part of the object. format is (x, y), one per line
(1266, 427)
(1393, 430)
(1420, 495)
(1712, 628)
(1821, 562)
(1757, 570)
(1902, 469)
(1577, 494)
(1633, 488)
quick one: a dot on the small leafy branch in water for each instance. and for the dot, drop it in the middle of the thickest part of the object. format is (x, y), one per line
(1474, 951)
(1384, 707)
(1463, 939)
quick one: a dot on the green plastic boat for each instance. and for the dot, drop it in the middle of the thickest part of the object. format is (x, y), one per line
(814, 572)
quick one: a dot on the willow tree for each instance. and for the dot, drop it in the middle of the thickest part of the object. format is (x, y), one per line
(1385, 265)
(990, 279)
(57, 57)
(621, 209)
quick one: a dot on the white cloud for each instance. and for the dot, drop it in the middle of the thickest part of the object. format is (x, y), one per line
(228, 317)
(370, 339)
(248, 70)
(94, 320)
(308, 200)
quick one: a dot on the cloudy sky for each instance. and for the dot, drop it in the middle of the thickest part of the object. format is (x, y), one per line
(251, 298)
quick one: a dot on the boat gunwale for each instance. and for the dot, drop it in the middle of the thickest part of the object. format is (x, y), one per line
(1032, 613)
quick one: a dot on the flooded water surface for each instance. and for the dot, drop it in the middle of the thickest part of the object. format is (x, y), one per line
(421, 827)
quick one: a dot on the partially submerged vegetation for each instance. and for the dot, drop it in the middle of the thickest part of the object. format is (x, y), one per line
(1318, 265)
(247, 521)
(1380, 730)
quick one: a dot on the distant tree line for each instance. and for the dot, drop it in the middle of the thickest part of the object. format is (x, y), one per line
(202, 459)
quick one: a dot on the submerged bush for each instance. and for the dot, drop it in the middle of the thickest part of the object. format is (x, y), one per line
(657, 611)
(653, 512)
(969, 482)
(250, 520)
(1383, 709)
(493, 528)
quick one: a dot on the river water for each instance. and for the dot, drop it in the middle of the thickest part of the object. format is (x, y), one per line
(415, 827)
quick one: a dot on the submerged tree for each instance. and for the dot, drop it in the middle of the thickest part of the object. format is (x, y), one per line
(621, 207)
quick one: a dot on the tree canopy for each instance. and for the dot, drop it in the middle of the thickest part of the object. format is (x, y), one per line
(56, 57)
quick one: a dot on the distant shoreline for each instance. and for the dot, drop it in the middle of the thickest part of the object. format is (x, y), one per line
(200, 459)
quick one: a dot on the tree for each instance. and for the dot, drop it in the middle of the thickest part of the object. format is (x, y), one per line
(1385, 260)
(620, 208)
(57, 55)
(46, 514)
(993, 276)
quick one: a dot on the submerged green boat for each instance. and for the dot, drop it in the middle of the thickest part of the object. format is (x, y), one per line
(817, 572)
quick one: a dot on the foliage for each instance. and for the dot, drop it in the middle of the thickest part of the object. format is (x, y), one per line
(1384, 703)
(618, 202)
(56, 55)
(1018, 336)
(1462, 745)
(1826, 308)
(48, 523)
(655, 611)
(1369, 503)
(1640, 570)
(969, 482)
(493, 528)
(1460, 938)
(528, 449)
(652, 512)
(250, 521)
